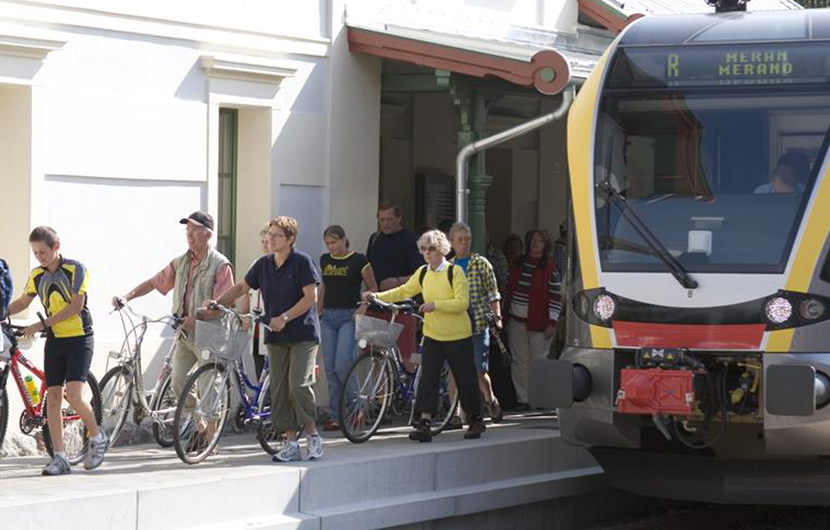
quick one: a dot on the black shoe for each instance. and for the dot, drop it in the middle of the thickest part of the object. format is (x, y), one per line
(521, 407)
(421, 433)
(496, 414)
(475, 430)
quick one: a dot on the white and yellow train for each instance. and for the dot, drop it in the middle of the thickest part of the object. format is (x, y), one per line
(697, 361)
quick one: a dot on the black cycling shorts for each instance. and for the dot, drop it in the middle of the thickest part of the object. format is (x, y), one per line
(67, 359)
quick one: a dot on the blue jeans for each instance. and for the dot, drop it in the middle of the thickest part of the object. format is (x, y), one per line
(338, 343)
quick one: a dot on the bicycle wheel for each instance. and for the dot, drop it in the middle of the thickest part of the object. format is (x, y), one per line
(164, 403)
(269, 438)
(365, 396)
(4, 413)
(116, 398)
(198, 427)
(75, 435)
(446, 403)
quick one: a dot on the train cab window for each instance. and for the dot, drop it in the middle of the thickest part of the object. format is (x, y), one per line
(718, 161)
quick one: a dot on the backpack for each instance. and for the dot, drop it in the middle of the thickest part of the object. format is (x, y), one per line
(6, 288)
(424, 273)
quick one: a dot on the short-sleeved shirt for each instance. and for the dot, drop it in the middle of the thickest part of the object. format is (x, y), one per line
(165, 280)
(282, 288)
(393, 255)
(342, 276)
(56, 289)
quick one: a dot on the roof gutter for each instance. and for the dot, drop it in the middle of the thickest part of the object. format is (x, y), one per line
(486, 143)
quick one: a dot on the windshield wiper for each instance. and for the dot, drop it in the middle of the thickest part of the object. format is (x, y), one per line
(676, 269)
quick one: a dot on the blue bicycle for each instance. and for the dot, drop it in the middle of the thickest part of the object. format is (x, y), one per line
(380, 384)
(205, 402)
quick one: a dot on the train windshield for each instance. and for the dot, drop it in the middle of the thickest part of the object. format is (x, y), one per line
(716, 150)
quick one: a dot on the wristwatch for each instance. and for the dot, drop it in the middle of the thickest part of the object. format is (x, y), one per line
(285, 317)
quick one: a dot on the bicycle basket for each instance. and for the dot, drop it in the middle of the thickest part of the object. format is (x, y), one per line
(215, 337)
(377, 332)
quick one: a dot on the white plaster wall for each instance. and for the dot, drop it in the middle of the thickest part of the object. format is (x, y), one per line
(554, 14)
(307, 18)
(15, 150)
(122, 139)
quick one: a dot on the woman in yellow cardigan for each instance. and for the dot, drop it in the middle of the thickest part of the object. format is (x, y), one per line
(447, 333)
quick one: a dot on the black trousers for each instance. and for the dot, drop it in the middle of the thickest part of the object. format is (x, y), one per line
(459, 355)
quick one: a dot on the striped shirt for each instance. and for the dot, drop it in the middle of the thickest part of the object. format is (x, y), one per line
(521, 296)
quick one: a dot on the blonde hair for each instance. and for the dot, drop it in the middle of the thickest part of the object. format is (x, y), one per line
(264, 230)
(434, 238)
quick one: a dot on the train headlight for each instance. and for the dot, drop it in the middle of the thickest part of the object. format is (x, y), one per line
(778, 310)
(811, 309)
(604, 307)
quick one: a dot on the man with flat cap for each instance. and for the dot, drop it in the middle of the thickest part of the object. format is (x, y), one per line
(199, 274)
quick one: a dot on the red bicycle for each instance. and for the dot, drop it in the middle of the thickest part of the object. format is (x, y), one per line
(33, 417)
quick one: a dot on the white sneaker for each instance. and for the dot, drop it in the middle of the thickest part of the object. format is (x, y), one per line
(95, 454)
(290, 452)
(314, 443)
(59, 465)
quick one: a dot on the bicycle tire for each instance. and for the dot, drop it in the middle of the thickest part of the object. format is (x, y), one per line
(116, 400)
(191, 450)
(164, 398)
(268, 437)
(379, 382)
(4, 414)
(446, 403)
(78, 443)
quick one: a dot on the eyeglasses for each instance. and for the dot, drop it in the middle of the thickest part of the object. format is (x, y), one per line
(428, 249)
(277, 236)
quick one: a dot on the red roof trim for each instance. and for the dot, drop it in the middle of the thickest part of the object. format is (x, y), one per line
(605, 15)
(466, 62)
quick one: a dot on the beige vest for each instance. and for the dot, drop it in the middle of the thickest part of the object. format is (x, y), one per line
(203, 281)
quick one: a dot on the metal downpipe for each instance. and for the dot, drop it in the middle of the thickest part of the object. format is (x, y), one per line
(485, 143)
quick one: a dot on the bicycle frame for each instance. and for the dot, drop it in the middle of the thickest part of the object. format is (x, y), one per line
(132, 361)
(243, 385)
(32, 411)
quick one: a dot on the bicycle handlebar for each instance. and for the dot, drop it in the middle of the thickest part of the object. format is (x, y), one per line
(255, 316)
(120, 305)
(16, 330)
(407, 307)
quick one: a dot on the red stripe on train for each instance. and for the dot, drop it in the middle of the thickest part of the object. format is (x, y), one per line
(693, 336)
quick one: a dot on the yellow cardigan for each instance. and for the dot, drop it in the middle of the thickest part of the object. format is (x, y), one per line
(450, 320)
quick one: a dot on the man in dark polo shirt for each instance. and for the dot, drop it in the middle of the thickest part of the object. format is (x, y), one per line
(393, 254)
(392, 250)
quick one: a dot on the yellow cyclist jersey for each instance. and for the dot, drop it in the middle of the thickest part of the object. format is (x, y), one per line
(55, 291)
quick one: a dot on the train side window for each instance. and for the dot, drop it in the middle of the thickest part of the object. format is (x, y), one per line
(573, 251)
(825, 269)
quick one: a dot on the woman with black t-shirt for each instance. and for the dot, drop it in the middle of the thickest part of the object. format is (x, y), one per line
(343, 273)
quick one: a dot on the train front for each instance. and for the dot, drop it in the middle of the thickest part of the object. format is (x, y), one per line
(698, 353)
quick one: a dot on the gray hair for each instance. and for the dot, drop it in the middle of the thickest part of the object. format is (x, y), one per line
(434, 238)
(459, 226)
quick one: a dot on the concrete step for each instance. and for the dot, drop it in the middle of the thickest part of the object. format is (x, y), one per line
(386, 482)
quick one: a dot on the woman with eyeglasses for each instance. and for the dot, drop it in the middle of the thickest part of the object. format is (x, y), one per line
(288, 281)
(447, 333)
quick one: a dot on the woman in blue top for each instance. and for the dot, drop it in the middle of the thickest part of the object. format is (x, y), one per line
(288, 282)
(343, 274)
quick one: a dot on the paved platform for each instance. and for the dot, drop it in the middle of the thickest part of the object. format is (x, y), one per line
(388, 481)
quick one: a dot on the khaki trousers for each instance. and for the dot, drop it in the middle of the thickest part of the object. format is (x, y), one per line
(526, 346)
(292, 381)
